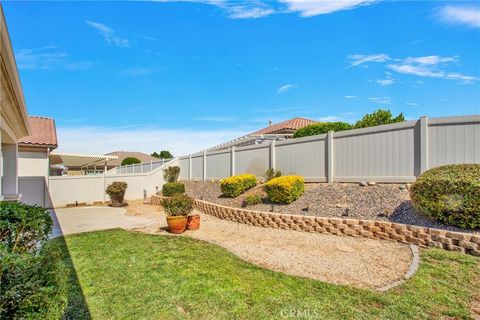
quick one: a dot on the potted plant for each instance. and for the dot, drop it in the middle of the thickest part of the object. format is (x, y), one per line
(177, 209)
(193, 222)
(116, 191)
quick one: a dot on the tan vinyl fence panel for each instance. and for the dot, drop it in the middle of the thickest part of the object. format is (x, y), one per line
(453, 142)
(33, 190)
(303, 156)
(218, 165)
(254, 160)
(197, 167)
(183, 163)
(383, 156)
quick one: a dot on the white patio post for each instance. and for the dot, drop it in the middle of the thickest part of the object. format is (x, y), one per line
(232, 161)
(205, 165)
(423, 144)
(104, 180)
(330, 156)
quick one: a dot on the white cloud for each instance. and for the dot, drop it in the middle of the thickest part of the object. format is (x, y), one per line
(358, 59)
(286, 88)
(50, 57)
(469, 16)
(413, 104)
(108, 34)
(308, 8)
(430, 60)
(349, 97)
(381, 100)
(385, 82)
(329, 119)
(248, 12)
(102, 140)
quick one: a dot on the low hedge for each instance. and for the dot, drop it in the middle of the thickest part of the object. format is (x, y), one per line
(33, 277)
(236, 185)
(285, 189)
(252, 200)
(449, 194)
(172, 188)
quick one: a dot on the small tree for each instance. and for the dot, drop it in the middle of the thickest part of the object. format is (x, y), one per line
(377, 118)
(170, 174)
(130, 160)
(320, 128)
(155, 154)
(164, 154)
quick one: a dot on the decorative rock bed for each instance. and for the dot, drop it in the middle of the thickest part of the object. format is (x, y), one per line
(422, 236)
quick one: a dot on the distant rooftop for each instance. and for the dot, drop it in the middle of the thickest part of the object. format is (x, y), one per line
(143, 157)
(43, 131)
(287, 125)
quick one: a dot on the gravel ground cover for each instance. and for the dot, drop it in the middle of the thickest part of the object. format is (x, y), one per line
(361, 262)
(387, 202)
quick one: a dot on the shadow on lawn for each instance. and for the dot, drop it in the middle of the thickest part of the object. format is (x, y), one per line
(76, 307)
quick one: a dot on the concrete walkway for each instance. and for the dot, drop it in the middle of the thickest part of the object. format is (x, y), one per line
(83, 219)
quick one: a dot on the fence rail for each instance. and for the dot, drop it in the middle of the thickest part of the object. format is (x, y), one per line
(140, 167)
(397, 152)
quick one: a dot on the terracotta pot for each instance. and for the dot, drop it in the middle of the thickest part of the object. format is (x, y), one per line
(117, 200)
(193, 222)
(177, 224)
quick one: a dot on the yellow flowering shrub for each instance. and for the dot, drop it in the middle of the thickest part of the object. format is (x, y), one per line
(236, 185)
(285, 189)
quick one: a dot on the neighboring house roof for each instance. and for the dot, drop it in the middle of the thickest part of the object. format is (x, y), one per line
(287, 125)
(143, 157)
(43, 134)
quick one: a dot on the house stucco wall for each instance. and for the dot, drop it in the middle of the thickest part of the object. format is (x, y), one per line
(33, 163)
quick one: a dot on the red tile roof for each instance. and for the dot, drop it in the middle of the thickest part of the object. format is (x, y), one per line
(292, 124)
(44, 133)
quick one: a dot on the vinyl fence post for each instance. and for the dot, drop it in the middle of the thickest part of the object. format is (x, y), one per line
(423, 144)
(272, 155)
(329, 156)
(204, 165)
(232, 161)
(190, 167)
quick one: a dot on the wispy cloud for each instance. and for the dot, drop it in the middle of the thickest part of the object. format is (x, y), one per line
(349, 97)
(413, 104)
(236, 9)
(50, 57)
(381, 100)
(108, 34)
(432, 66)
(285, 88)
(309, 8)
(358, 59)
(463, 15)
(84, 139)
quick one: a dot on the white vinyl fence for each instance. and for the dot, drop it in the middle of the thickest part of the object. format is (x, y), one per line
(397, 152)
(139, 167)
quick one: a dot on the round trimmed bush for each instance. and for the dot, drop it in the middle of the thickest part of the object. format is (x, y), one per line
(285, 189)
(236, 185)
(449, 194)
(173, 188)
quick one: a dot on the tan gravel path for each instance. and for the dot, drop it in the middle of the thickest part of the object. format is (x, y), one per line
(360, 262)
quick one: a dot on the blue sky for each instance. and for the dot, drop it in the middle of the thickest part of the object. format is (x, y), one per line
(187, 75)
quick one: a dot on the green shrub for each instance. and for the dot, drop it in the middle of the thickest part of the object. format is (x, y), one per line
(321, 128)
(377, 118)
(285, 189)
(170, 174)
(252, 200)
(450, 194)
(272, 173)
(116, 188)
(236, 185)
(172, 188)
(33, 278)
(178, 205)
(130, 160)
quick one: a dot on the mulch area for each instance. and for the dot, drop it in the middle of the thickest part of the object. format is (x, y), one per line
(386, 202)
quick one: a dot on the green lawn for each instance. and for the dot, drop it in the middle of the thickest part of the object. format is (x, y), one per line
(122, 275)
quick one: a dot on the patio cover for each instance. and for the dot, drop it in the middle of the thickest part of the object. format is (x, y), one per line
(79, 160)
